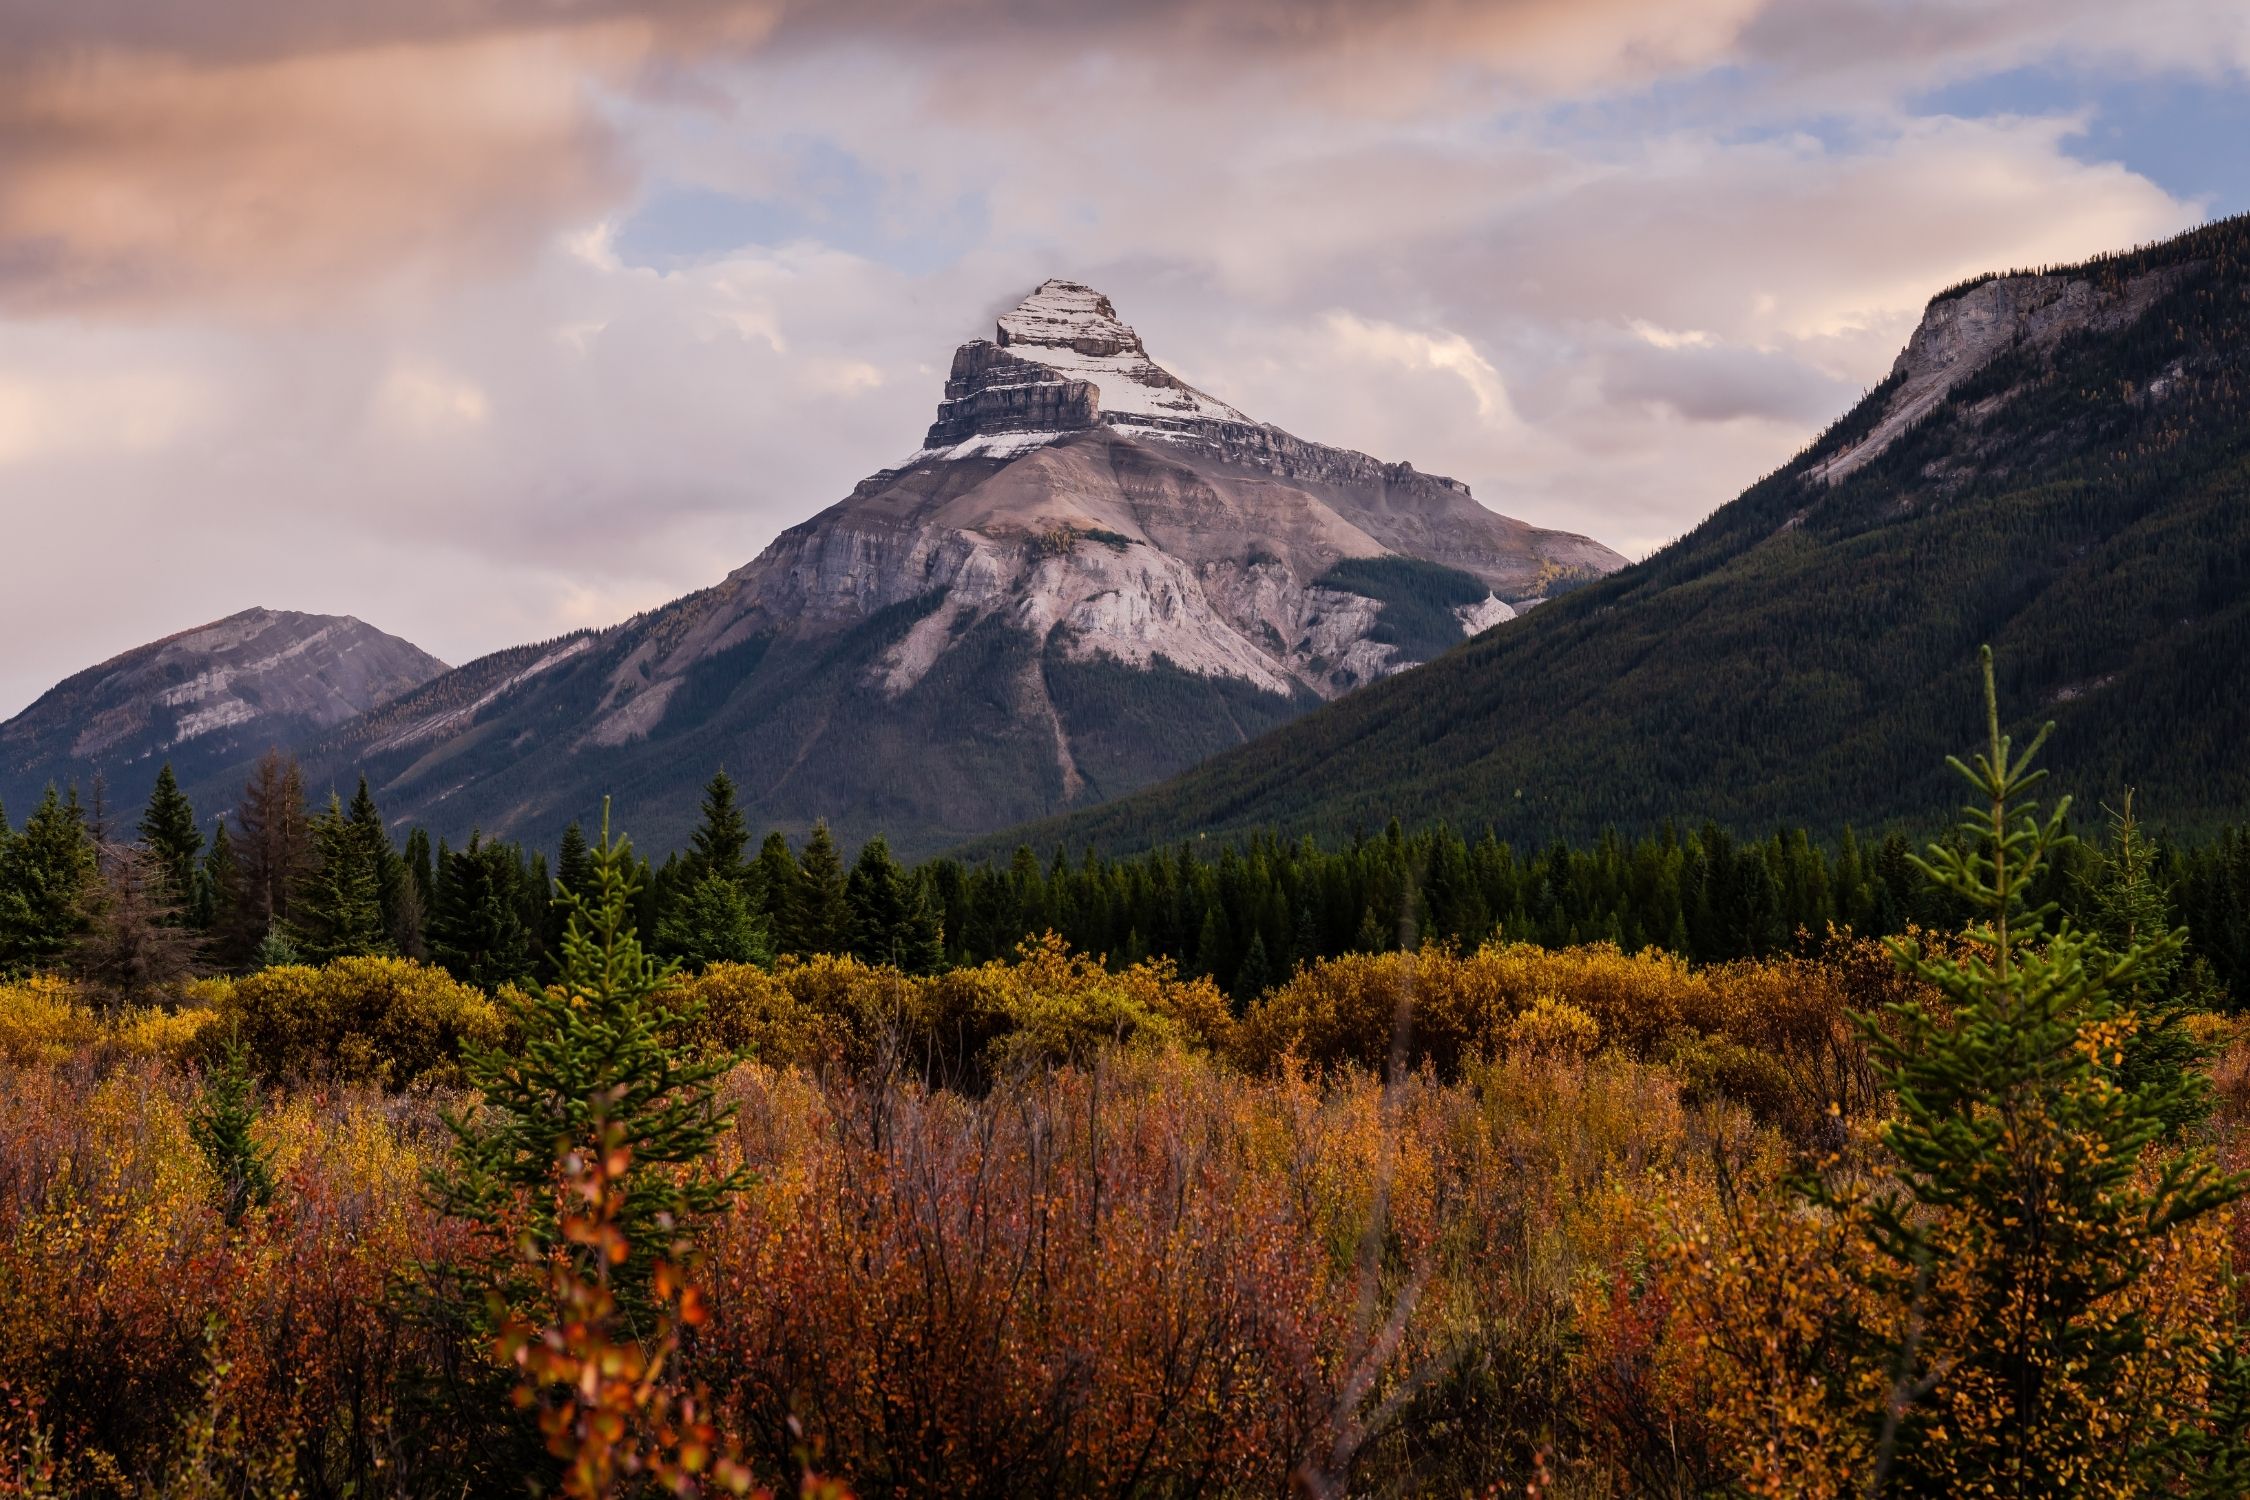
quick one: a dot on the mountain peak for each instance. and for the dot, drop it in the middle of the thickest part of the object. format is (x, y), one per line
(1062, 361)
(207, 696)
(1067, 315)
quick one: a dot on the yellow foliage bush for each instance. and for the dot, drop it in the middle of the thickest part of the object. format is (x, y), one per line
(46, 1019)
(42, 1020)
(743, 1008)
(1048, 1003)
(387, 1021)
(172, 1035)
(1457, 1006)
(1556, 1027)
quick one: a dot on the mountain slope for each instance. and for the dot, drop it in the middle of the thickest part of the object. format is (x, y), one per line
(2059, 464)
(1089, 576)
(205, 699)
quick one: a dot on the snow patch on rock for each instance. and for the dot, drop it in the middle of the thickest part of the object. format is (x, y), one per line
(223, 714)
(1476, 619)
(1072, 328)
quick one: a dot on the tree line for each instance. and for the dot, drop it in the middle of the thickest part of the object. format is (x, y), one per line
(279, 881)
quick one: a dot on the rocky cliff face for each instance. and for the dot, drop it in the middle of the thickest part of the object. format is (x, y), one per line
(1963, 333)
(1090, 573)
(205, 697)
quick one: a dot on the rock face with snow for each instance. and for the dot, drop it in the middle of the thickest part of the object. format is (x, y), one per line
(204, 699)
(1090, 574)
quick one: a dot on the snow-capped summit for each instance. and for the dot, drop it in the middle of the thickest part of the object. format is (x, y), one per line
(1060, 362)
(1090, 575)
(1070, 327)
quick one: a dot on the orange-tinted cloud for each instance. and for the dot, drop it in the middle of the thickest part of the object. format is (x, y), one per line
(285, 156)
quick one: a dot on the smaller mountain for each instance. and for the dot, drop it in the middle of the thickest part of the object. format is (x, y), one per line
(205, 699)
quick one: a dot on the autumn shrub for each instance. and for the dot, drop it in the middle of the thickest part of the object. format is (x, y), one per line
(1766, 1312)
(1776, 1035)
(43, 1018)
(1139, 1277)
(1049, 1004)
(47, 1019)
(151, 1348)
(751, 1011)
(387, 1021)
(1052, 1005)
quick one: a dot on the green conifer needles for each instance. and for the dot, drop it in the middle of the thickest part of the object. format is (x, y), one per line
(2023, 1198)
(591, 1050)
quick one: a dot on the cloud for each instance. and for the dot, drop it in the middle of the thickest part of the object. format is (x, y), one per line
(140, 184)
(1360, 341)
(325, 306)
(1706, 383)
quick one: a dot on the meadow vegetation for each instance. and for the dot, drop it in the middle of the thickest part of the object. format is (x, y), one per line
(1958, 1213)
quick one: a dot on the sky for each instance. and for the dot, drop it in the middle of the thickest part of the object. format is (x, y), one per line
(484, 320)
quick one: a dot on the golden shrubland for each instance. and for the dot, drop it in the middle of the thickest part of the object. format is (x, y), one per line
(1039, 1226)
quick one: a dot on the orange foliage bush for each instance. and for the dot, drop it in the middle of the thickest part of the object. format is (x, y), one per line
(149, 1344)
(1145, 1273)
(1757, 1307)
(1776, 1035)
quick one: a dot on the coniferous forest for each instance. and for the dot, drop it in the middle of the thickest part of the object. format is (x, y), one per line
(283, 880)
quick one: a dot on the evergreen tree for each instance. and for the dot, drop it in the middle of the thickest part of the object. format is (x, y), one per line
(2020, 1212)
(779, 896)
(711, 923)
(336, 908)
(591, 1047)
(136, 943)
(409, 921)
(823, 919)
(2129, 908)
(220, 886)
(47, 872)
(421, 866)
(590, 1072)
(382, 856)
(476, 929)
(1214, 945)
(891, 919)
(1255, 975)
(717, 845)
(223, 1125)
(168, 831)
(417, 888)
(574, 871)
(273, 848)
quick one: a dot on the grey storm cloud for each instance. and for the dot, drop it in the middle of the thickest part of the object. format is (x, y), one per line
(1708, 384)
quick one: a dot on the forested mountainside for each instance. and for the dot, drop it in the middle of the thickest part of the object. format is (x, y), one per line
(1090, 576)
(2059, 464)
(204, 699)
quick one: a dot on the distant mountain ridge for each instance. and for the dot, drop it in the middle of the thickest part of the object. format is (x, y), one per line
(2058, 464)
(1089, 576)
(205, 698)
